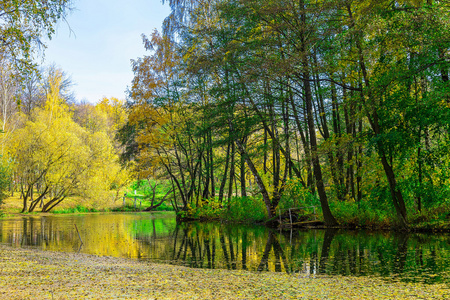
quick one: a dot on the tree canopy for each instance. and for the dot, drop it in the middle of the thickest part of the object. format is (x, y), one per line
(25, 23)
(328, 103)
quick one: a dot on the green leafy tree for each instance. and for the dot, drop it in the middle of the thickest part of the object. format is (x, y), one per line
(347, 99)
(25, 23)
(5, 178)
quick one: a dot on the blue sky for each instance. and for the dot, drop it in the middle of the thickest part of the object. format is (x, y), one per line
(106, 35)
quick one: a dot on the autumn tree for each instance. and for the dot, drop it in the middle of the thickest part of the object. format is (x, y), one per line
(56, 158)
(157, 113)
(114, 109)
(102, 126)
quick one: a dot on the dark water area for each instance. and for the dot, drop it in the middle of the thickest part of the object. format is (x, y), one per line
(157, 237)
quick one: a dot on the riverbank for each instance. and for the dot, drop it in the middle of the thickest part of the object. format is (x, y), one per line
(433, 220)
(12, 206)
(35, 274)
(347, 215)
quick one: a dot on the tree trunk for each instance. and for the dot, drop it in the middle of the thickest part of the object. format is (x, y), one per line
(211, 166)
(230, 183)
(327, 215)
(225, 172)
(258, 179)
(242, 171)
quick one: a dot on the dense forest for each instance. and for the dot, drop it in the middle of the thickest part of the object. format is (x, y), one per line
(244, 109)
(338, 104)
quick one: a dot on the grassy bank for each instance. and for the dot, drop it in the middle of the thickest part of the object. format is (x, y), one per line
(77, 205)
(348, 214)
(34, 274)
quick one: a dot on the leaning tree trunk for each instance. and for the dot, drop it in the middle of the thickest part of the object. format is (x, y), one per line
(327, 215)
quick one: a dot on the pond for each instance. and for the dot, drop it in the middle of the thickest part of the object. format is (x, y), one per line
(157, 237)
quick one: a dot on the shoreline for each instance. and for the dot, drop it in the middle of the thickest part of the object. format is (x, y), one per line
(11, 209)
(414, 228)
(37, 274)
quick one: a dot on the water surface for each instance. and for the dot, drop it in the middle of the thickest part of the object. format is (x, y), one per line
(157, 237)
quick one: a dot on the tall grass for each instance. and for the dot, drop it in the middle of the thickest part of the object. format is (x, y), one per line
(74, 210)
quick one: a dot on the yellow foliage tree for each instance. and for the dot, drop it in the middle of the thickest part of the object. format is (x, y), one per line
(114, 109)
(56, 157)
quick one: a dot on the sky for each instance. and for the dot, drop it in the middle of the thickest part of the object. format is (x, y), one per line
(99, 40)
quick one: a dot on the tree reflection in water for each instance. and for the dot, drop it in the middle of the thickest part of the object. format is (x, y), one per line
(414, 257)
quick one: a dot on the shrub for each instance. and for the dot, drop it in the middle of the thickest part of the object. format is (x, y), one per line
(209, 209)
(5, 178)
(296, 195)
(347, 213)
(246, 209)
(241, 209)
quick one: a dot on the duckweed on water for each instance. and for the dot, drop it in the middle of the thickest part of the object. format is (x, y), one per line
(35, 274)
